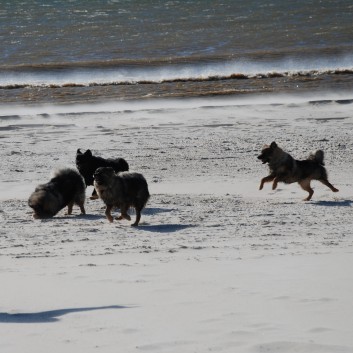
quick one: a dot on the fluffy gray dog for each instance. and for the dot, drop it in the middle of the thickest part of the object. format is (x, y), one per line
(65, 188)
(121, 190)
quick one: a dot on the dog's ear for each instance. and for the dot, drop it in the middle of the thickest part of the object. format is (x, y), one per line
(273, 145)
(88, 153)
(78, 152)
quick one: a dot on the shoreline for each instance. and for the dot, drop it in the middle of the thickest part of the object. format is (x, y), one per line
(9, 110)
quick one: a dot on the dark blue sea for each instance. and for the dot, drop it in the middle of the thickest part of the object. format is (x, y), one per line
(66, 51)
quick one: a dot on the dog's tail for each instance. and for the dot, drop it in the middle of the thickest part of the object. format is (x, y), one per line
(318, 157)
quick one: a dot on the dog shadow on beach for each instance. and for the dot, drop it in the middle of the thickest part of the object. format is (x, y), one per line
(150, 211)
(88, 217)
(84, 217)
(49, 316)
(164, 228)
(93, 217)
(155, 210)
(335, 203)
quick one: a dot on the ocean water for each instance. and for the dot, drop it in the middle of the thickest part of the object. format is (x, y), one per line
(64, 51)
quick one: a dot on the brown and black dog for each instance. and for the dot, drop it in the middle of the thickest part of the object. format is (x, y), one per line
(284, 168)
(122, 190)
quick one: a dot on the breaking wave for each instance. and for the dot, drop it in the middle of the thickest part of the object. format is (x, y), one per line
(131, 73)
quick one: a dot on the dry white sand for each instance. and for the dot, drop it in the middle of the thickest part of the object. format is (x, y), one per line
(216, 265)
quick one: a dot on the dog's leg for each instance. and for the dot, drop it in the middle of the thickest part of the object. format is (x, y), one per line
(69, 208)
(138, 217)
(108, 213)
(328, 184)
(123, 210)
(275, 183)
(305, 184)
(82, 208)
(94, 195)
(266, 180)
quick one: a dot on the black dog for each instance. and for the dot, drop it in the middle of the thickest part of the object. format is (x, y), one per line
(65, 188)
(87, 164)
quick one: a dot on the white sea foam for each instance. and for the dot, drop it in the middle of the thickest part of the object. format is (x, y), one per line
(130, 75)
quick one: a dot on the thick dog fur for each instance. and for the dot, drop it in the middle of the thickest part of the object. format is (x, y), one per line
(66, 188)
(121, 190)
(87, 164)
(284, 168)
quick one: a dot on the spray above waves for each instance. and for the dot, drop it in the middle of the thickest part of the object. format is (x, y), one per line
(74, 76)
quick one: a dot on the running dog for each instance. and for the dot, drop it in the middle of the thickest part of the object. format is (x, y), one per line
(65, 188)
(87, 164)
(284, 168)
(121, 190)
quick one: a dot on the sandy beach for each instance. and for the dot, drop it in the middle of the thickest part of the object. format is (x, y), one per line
(215, 265)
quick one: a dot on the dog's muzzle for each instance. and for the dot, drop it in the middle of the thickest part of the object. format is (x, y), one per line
(262, 159)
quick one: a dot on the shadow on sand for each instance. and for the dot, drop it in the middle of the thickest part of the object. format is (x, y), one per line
(84, 217)
(49, 316)
(341, 203)
(164, 228)
(91, 217)
(156, 210)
